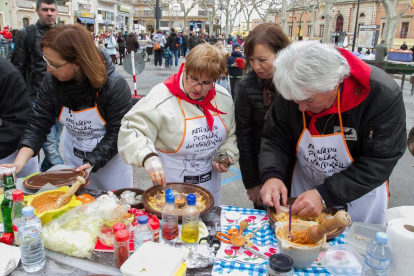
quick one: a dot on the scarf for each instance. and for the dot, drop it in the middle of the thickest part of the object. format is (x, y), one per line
(236, 54)
(173, 84)
(355, 89)
(268, 94)
(73, 96)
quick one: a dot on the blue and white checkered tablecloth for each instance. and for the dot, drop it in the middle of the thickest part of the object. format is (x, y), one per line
(232, 260)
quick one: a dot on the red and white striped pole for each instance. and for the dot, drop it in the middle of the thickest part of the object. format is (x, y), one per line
(133, 75)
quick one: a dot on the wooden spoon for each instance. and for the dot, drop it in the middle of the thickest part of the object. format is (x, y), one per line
(238, 239)
(316, 233)
(64, 199)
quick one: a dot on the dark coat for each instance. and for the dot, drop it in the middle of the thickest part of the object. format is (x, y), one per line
(379, 122)
(114, 101)
(121, 42)
(250, 119)
(184, 43)
(234, 71)
(15, 107)
(172, 41)
(132, 43)
(32, 68)
(193, 41)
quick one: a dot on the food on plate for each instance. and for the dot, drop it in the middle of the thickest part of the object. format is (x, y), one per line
(46, 201)
(130, 198)
(157, 201)
(284, 216)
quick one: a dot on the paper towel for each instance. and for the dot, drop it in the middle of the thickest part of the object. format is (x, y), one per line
(399, 212)
(401, 243)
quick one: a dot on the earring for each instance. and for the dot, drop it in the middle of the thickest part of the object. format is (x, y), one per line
(76, 70)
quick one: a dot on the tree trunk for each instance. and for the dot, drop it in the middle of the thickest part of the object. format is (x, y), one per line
(283, 24)
(328, 18)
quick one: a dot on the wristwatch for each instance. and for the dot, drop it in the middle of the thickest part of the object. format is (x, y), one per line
(323, 201)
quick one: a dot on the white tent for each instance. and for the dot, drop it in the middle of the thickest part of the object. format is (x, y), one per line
(139, 29)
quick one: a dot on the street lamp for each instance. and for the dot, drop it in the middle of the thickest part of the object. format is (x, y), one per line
(300, 22)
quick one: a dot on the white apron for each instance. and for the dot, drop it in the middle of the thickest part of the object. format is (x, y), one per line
(85, 129)
(320, 156)
(192, 162)
(31, 166)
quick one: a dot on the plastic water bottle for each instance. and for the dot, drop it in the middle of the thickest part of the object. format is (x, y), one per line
(191, 217)
(16, 214)
(142, 233)
(169, 214)
(31, 244)
(377, 257)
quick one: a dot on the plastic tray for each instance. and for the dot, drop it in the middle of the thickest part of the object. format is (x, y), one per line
(341, 260)
(361, 234)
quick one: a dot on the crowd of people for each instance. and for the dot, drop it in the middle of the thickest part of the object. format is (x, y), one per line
(304, 119)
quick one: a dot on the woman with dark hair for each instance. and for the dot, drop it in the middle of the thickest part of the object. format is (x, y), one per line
(253, 98)
(82, 89)
(121, 47)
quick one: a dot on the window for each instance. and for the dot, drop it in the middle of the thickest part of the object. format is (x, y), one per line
(404, 30)
(362, 15)
(323, 17)
(26, 22)
(309, 30)
(321, 29)
(290, 30)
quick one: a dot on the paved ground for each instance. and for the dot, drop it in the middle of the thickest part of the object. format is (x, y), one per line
(233, 191)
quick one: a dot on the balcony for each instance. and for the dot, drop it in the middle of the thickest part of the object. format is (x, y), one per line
(31, 4)
(135, 2)
(109, 1)
(144, 14)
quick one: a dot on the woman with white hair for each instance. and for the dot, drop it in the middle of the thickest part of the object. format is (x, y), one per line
(342, 123)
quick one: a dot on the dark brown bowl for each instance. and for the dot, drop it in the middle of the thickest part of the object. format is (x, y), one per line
(58, 178)
(180, 188)
(137, 192)
(271, 211)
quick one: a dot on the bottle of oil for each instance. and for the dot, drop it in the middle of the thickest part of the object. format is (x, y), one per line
(191, 217)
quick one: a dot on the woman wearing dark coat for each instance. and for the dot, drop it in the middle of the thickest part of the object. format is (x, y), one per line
(252, 99)
(121, 47)
(84, 92)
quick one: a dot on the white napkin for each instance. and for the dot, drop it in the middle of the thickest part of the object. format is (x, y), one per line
(10, 258)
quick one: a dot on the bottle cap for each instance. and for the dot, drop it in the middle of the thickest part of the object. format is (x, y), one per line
(143, 219)
(168, 192)
(280, 263)
(28, 211)
(169, 198)
(191, 199)
(118, 226)
(17, 195)
(122, 235)
(154, 222)
(7, 238)
(381, 237)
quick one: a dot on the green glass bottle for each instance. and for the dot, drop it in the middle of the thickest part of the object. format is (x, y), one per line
(7, 203)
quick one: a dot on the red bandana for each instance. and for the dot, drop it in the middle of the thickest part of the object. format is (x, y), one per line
(173, 84)
(355, 89)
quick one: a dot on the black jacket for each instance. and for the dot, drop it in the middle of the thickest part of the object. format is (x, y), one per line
(15, 107)
(234, 71)
(121, 42)
(185, 41)
(193, 41)
(250, 119)
(114, 101)
(32, 68)
(172, 41)
(132, 43)
(379, 122)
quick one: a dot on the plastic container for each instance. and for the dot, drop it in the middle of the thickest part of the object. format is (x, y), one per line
(342, 260)
(361, 234)
(280, 265)
(16, 215)
(377, 257)
(191, 217)
(121, 248)
(142, 233)
(149, 257)
(31, 244)
(106, 235)
(169, 213)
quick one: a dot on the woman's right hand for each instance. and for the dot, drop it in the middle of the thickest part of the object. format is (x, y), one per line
(155, 171)
(18, 166)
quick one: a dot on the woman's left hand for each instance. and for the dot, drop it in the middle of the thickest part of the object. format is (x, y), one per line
(220, 168)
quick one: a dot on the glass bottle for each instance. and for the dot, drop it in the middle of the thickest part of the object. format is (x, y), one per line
(7, 203)
(191, 217)
(121, 247)
(16, 215)
(280, 264)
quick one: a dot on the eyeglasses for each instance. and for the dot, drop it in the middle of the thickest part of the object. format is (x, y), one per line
(54, 68)
(204, 85)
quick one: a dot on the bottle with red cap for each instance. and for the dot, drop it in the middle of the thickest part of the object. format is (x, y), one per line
(121, 247)
(16, 214)
(154, 222)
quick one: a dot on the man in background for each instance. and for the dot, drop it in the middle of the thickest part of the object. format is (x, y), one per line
(381, 51)
(27, 57)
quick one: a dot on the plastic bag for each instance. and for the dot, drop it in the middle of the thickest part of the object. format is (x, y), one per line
(75, 233)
